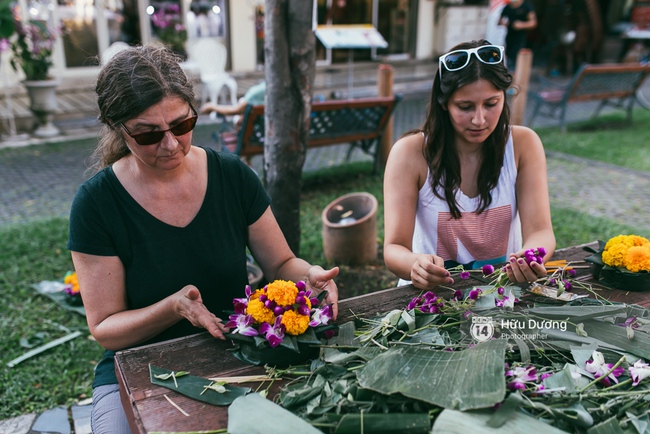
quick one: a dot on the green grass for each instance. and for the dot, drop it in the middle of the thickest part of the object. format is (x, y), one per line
(609, 138)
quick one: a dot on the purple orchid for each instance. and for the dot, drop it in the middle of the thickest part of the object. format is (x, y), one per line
(599, 368)
(639, 371)
(242, 303)
(475, 293)
(242, 324)
(464, 274)
(520, 376)
(321, 316)
(273, 333)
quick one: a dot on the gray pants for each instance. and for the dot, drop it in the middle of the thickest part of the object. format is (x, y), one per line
(108, 415)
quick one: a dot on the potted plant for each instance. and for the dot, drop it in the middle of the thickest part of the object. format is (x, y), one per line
(167, 23)
(32, 53)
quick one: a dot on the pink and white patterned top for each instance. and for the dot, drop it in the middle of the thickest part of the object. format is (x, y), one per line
(485, 237)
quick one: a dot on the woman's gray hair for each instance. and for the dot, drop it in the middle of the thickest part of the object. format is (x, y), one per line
(131, 82)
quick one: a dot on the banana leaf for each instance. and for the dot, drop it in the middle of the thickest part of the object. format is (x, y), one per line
(617, 335)
(463, 380)
(610, 426)
(192, 386)
(475, 422)
(254, 414)
(403, 423)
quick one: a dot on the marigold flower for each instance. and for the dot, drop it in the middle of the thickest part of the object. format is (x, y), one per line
(259, 312)
(294, 323)
(637, 258)
(72, 283)
(283, 292)
(614, 256)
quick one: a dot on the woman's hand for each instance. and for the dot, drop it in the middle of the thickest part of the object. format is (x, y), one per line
(319, 280)
(190, 306)
(428, 271)
(520, 271)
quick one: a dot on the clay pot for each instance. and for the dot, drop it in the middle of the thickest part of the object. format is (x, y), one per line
(350, 229)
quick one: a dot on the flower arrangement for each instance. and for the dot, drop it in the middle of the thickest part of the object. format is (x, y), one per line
(282, 313)
(623, 262)
(71, 287)
(32, 49)
(168, 25)
(628, 251)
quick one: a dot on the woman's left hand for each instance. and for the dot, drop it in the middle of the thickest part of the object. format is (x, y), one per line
(520, 271)
(319, 280)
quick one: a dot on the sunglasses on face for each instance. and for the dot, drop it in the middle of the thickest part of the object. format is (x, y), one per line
(153, 137)
(458, 59)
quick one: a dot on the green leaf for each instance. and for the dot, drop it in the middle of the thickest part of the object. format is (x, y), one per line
(406, 423)
(475, 422)
(467, 379)
(578, 313)
(7, 25)
(616, 335)
(562, 379)
(192, 386)
(308, 337)
(291, 343)
(610, 426)
(252, 413)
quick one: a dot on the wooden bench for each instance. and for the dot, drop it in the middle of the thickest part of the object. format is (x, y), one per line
(611, 84)
(359, 122)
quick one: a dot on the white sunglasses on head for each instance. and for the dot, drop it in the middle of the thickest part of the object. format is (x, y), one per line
(458, 59)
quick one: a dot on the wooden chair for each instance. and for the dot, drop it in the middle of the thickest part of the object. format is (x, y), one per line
(611, 84)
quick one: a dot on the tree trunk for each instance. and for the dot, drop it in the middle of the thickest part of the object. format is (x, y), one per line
(289, 52)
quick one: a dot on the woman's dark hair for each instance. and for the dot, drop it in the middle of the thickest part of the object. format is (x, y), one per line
(440, 150)
(130, 83)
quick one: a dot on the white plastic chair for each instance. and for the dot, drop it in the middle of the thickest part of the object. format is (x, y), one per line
(112, 50)
(210, 56)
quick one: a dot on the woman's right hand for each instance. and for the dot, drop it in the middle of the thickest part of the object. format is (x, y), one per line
(190, 306)
(428, 271)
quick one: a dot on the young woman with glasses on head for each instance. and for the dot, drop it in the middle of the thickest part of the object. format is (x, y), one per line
(159, 234)
(467, 188)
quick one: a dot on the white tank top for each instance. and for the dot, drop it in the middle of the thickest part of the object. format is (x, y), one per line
(480, 238)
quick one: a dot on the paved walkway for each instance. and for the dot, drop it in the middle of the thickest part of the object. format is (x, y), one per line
(40, 182)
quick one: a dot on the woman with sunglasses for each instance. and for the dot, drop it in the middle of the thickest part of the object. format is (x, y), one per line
(467, 188)
(159, 234)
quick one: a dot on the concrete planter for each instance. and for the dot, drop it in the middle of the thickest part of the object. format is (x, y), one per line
(43, 103)
(350, 229)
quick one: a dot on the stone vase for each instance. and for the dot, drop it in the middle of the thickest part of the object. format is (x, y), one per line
(43, 103)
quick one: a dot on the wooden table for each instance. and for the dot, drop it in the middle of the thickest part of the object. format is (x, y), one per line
(148, 409)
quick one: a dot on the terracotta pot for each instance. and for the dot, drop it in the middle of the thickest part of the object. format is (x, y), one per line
(350, 229)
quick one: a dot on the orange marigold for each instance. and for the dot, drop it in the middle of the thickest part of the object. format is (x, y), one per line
(255, 295)
(614, 255)
(259, 312)
(295, 323)
(637, 258)
(283, 292)
(72, 279)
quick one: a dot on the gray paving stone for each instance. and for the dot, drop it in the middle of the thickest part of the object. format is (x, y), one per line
(81, 418)
(52, 421)
(17, 425)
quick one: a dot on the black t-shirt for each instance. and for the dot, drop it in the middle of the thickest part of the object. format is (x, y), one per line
(516, 39)
(159, 259)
